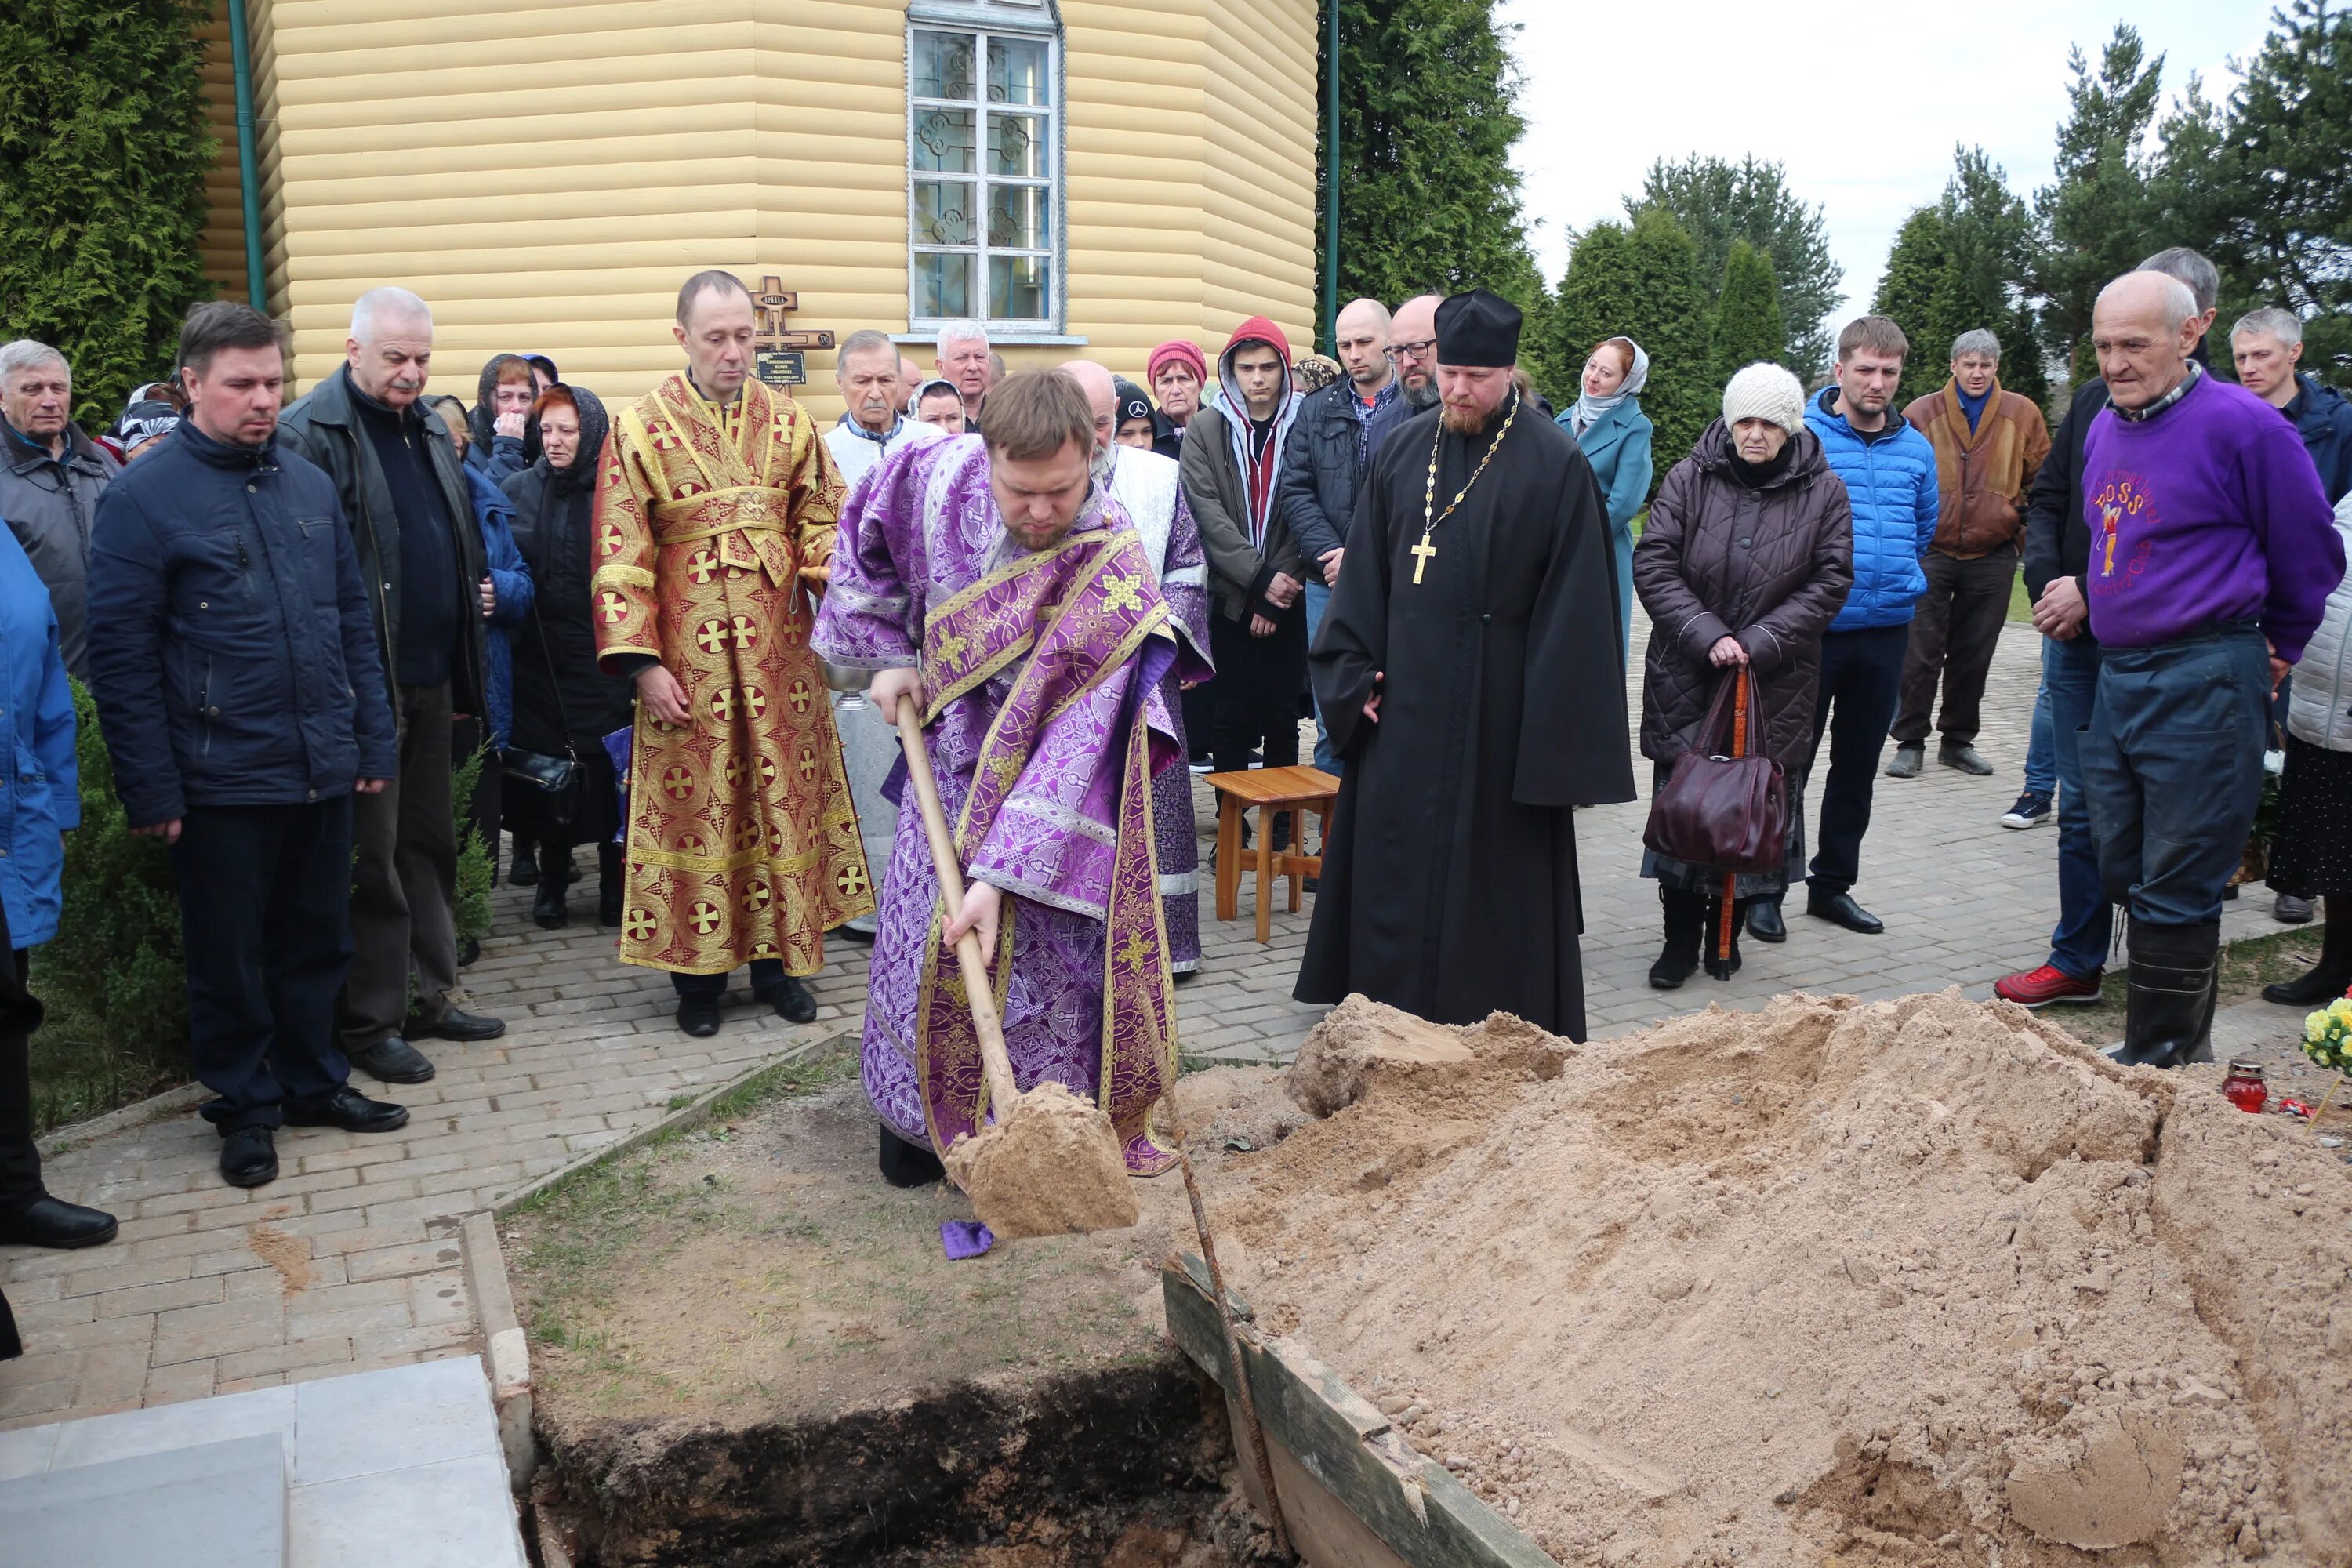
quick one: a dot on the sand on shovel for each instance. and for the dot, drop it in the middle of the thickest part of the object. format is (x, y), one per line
(1050, 1166)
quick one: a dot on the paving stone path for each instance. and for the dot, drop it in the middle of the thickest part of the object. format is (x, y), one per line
(351, 1259)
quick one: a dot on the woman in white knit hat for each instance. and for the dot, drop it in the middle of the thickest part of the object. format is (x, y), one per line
(1746, 558)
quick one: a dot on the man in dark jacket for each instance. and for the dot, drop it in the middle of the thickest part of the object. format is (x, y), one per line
(52, 475)
(397, 477)
(1257, 626)
(243, 707)
(2057, 562)
(2267, 346)
(1331, 446)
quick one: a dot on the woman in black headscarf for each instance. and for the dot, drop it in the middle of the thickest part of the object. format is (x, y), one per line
(563, 704)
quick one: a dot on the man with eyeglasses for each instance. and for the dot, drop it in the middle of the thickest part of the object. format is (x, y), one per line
(1412, 349)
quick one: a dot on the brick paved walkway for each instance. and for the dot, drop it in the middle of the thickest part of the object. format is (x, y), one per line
(351, 1259)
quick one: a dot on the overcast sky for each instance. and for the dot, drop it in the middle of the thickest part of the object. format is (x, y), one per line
(1861, 102)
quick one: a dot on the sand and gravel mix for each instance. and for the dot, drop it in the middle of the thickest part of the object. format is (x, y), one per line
(1919, 1282)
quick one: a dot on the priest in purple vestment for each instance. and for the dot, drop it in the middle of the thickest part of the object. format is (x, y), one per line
(992, 579)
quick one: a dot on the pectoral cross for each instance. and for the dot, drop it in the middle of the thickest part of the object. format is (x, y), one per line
(1423, 551)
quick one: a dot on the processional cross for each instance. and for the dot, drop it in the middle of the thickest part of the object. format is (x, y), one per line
(779, 351)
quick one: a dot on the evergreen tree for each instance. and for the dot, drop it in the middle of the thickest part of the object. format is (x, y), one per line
(1428, 198)
(1668, 316)
(103, 155)
(1718, 202)
(1956, 268)
(2094, 221)
(1910, 295)
(1747, 313)
(2260, 181)
(1596, 296)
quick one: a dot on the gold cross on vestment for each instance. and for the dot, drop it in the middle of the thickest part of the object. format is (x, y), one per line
(1422, 553)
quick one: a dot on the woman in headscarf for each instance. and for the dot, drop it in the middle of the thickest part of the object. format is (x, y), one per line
(501, 403)
(1746, 558)
(1609, 425)
(563, 704)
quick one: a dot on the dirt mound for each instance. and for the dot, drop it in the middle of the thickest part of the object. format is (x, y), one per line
(1919, 1282)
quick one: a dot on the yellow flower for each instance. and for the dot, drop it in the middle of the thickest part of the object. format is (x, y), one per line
(2315, 1027)
(2341, 1010)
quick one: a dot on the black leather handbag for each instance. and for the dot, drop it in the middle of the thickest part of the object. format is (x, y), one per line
(549, 786)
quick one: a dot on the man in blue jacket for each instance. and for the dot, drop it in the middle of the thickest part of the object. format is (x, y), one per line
(1889, 470)
(1330, 451)
(243, 705)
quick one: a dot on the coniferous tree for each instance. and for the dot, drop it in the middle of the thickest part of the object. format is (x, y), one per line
(1955, 269)
(1718, 202)
(2259, 179)
(1596, 295)
(1909, 295)
(1668, 316)
(103, 155)
(2093, 221)
(1428, 198)
(1746, 313)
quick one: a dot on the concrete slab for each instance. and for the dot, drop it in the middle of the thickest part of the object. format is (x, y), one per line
(454, 1514)
(214, 1505)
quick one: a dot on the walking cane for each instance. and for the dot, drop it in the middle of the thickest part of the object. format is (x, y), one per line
(1731, 879)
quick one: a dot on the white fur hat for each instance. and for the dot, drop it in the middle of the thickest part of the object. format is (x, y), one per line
(1763, 391)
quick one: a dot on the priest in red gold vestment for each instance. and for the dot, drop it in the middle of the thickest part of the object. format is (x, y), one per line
(716, 506)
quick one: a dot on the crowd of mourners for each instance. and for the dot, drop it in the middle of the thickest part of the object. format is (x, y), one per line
(1856, 559)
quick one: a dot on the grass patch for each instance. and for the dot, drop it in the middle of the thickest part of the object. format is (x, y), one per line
(78, 1074)
(2245, 968)
(2021, 603)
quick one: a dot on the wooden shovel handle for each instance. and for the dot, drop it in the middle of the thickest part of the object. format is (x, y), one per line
(1001, 1088)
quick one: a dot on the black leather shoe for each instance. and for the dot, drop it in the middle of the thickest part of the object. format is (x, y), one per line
(393, 1061)
(906, 1164)
(248, 1157)
(1839, 909)
(456, 1024)
(548, 910)
(470, 951)
(524, 872)
(791, 999)
(698, 1015)
(1764, 921)
(53, 1222)
(1186, 977)
(348, 1108)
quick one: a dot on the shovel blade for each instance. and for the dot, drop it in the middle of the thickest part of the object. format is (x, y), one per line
(1048, 1165)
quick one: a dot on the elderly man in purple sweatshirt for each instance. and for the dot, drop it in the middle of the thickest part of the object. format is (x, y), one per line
(2212, 553)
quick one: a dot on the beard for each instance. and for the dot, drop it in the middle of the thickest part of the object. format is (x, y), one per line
(1468, 421)
(1423, 396)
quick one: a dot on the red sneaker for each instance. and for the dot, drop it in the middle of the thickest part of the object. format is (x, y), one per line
(2040, 987)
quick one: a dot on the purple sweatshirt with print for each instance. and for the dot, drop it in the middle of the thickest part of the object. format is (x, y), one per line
(2209, 512)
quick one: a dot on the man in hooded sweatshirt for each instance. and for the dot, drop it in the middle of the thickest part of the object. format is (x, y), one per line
(1257, 624)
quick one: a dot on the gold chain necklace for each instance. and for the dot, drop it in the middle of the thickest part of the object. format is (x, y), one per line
(1423, 551)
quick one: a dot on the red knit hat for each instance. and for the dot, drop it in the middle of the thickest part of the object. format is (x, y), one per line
(1189, 354)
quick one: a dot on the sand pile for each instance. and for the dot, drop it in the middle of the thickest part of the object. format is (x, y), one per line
(1917, 1281)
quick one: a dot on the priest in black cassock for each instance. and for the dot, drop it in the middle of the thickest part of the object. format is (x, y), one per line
(1470, 672)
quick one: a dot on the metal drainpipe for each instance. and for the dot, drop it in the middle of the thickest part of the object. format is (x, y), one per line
(1331, 182)
(257, 283)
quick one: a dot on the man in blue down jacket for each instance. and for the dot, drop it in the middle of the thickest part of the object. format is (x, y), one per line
(239, 689)
(1889, 470)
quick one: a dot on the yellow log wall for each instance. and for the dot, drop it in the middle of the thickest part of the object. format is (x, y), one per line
(546, 174)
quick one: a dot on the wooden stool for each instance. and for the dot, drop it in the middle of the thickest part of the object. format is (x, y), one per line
(1277, 792)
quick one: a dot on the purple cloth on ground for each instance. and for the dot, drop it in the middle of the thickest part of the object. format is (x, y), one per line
(965, 1238)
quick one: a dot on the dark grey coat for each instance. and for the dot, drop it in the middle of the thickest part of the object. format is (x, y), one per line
(325, 427)
(1768, 566)
(50, 505)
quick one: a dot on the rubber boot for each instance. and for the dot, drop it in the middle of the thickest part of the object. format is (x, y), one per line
(1723, 968)
(2328, 979)
(1686, 913)
(2168, 1017)
(609, 885)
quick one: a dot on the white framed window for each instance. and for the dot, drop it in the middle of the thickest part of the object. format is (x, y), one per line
(983, 171)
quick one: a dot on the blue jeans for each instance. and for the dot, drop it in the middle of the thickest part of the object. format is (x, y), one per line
(2173, 767)
(2041, 760)
(1318, 598)
(2070, 681)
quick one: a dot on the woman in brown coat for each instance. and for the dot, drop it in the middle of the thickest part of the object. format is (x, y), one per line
(1746, 559)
